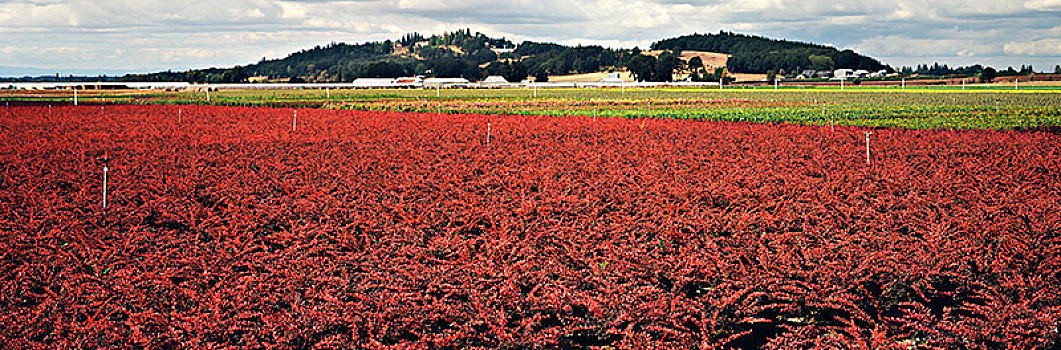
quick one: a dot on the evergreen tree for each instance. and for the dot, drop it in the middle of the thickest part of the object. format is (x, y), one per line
(642, 67)
(541, 77)
(988, 75)
(666, 64)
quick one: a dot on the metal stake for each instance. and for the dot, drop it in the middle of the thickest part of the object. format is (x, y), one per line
(105, 170)
(867, 145)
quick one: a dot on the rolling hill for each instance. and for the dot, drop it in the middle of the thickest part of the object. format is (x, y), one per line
(756, 54)
(476, 55)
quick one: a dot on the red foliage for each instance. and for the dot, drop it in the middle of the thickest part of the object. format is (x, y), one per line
(375, 230)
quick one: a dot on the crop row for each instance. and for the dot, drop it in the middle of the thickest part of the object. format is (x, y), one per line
(744, 110)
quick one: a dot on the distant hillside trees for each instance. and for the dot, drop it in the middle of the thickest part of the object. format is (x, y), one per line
(821, 62)
(558, 59)
(383, 69)
(237, 74)
(937, 69)
(541, 77)
(454, 54)
(666, 64)
(754, 54)
(452, 67)
(462, 53)
(988, 75)
(661, 68)
(512, 71)
(643, 68)
(234, 75)
(411, 38)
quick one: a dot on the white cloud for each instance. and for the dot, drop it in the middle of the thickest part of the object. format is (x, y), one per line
(1044, 47)
(909, 47)
(162, 34)
(1043, 5)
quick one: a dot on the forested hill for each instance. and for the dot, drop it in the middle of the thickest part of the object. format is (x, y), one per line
(454, 54)
(457, 53)
(463, 53)
(755, 54)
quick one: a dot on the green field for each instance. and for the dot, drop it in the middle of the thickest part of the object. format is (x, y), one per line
(978, 107)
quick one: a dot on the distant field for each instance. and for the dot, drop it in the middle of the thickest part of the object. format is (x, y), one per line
(921, 107)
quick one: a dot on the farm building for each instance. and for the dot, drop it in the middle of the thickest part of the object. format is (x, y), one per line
(501, 51)
(409, 81)
(613, 78)
(373, 82)
(495, 79)
(814, 74)
(844, 73)
(446, 82)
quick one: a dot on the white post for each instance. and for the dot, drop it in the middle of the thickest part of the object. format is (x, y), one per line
(904, 84)
(841, 84)
(75, 96)
(719, 83)
(487, 133)
(535, 90)
(105, 184)
(438, 90)
(1015, 80)
(963, 83)
(775, 83)
(622, 87)
(207, 94)
(328, 92)
(294, 121)
(867, 145)
(832, 124)
(594, 114)
(179, 114)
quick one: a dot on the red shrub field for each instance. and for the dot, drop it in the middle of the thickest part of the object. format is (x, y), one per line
(225, 228)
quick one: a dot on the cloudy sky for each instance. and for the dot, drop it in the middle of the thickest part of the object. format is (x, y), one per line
(112, 36)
